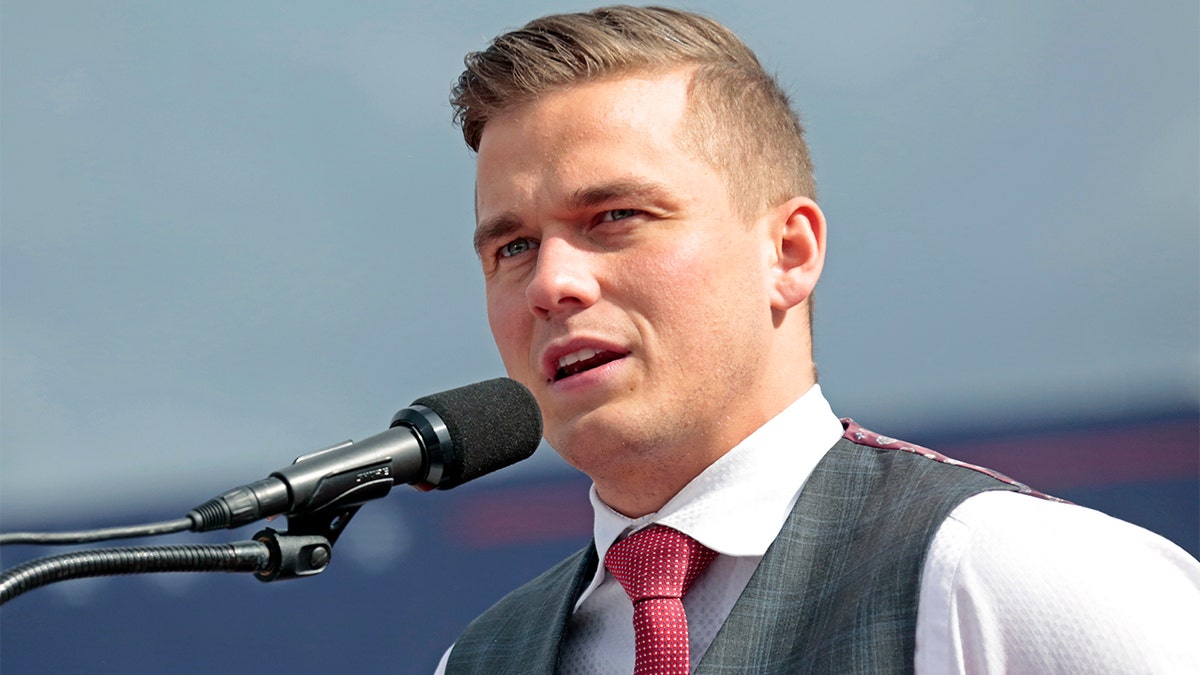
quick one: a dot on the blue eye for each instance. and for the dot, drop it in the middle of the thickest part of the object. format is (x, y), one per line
(517, 247)
(620, 214)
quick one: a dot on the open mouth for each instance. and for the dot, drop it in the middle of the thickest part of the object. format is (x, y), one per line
(582, 360)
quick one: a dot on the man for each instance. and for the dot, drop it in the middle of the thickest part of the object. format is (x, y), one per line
(650, 242)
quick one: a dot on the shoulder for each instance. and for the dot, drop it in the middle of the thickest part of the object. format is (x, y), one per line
(1016, 583)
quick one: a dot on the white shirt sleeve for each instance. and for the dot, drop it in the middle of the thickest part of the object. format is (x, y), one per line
(1017, 584)
(441, 666)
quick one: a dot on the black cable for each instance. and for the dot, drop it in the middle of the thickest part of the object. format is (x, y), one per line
(85, 536)
(246, 556)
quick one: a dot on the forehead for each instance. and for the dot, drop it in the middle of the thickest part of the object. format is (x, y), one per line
(625, 124)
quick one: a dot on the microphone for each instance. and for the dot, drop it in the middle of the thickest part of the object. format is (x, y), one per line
(441, 441)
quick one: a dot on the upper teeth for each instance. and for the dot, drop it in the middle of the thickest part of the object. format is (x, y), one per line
(576, 357)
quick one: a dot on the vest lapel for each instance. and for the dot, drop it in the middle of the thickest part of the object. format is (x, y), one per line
(765, 627)
(837, 591)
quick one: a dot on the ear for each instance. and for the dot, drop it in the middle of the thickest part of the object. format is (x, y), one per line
(798, 231)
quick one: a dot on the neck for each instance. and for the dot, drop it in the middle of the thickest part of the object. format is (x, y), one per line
(646, 490)
(636, 474)
(642, 482)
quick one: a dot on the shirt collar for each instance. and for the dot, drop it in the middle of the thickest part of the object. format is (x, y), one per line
(739, 503)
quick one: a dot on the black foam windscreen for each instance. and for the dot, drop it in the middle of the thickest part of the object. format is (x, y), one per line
(492, 424)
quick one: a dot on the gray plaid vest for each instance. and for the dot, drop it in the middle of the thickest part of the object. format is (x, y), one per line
(835, 593)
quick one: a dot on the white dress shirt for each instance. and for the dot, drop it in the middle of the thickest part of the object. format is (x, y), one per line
(1011, 583)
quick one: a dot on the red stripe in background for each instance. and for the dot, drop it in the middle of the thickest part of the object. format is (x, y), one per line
(551, 511)
(1139, 453)
(558, 509)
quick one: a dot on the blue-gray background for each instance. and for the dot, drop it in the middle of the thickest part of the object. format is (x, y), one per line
(234, 232)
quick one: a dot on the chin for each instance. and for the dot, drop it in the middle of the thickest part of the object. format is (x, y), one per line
(579, 437)
(596, 439)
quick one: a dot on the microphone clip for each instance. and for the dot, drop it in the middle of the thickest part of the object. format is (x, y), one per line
(305, 549)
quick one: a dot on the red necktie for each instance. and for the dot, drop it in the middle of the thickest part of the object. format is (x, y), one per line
(656, 566)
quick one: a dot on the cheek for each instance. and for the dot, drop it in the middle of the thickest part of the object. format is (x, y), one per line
(507, 321)
(704, 279)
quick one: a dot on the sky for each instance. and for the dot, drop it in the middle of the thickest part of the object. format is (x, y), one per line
(232, 233)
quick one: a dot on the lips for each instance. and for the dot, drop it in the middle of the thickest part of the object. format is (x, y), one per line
(572, 360)
(584, 359)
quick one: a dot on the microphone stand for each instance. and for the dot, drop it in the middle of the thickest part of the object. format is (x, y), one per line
(322, 489)
(304, 550)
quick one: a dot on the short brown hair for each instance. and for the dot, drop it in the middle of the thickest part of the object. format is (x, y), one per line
(742, 122)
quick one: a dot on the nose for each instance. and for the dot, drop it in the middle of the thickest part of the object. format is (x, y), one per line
(563, 281)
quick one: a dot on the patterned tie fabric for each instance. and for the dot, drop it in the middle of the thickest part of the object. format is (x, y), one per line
(656, 566)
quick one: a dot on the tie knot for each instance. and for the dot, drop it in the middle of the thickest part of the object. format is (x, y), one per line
(657, 562)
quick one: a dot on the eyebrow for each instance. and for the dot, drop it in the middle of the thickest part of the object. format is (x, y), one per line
(640, 190)
(495, 228)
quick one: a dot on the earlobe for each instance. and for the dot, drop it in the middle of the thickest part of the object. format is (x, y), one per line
(799, 238)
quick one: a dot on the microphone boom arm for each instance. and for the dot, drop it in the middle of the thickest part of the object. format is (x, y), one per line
(304, 550)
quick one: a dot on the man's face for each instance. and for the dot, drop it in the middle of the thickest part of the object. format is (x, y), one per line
(623, 287)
